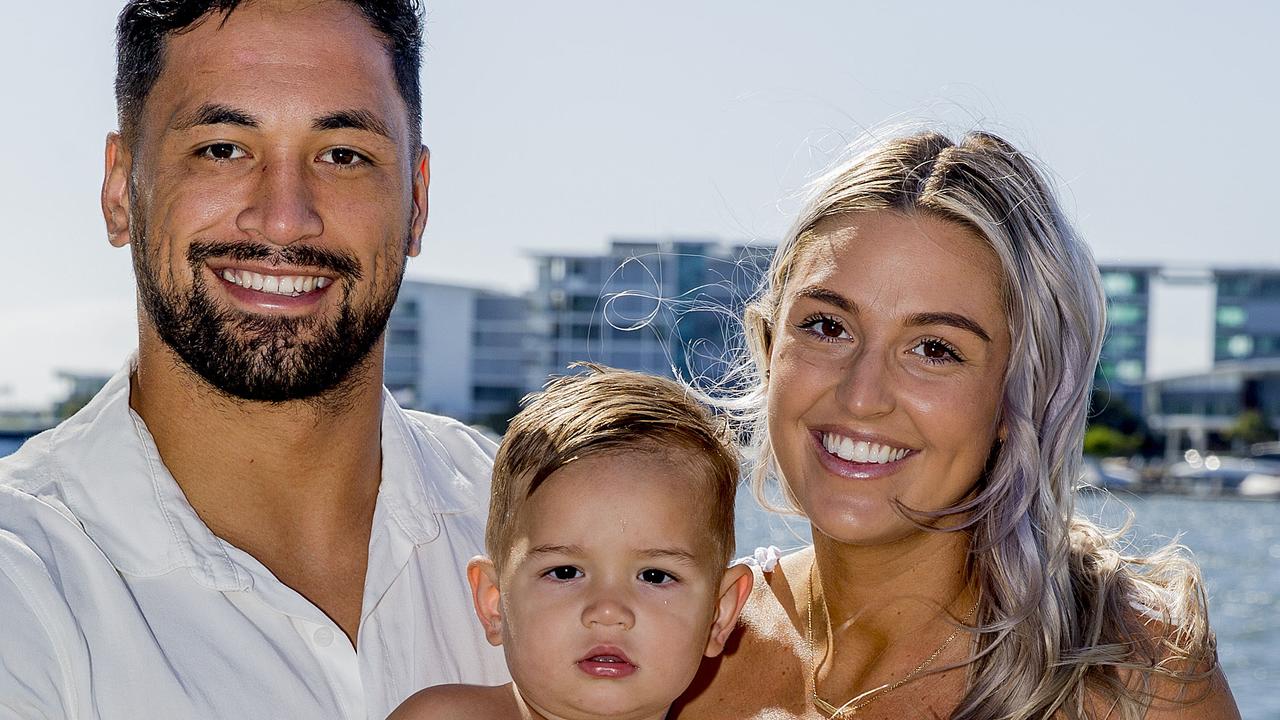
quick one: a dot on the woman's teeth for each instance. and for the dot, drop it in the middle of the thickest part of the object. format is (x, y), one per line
(860, 450)
(291, 285)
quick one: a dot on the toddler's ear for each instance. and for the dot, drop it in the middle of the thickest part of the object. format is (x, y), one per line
(735, 588)
(486, 597)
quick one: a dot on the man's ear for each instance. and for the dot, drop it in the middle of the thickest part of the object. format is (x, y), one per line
(421, 182)
(735, 588)
(486, 597)
(115, 189)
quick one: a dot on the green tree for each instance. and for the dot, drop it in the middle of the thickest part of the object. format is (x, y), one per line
(1104, 441)
(1250, 427)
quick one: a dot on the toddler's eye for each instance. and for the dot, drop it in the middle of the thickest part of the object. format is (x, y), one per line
(656, 577)
(564, 572)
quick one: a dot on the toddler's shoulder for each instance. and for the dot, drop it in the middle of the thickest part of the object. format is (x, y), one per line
(458, 702)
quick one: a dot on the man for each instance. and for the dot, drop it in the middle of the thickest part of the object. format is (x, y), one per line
(243, 524)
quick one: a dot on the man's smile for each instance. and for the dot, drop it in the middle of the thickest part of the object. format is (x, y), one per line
(288, 285)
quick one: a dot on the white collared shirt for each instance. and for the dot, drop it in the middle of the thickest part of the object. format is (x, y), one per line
(116, 601)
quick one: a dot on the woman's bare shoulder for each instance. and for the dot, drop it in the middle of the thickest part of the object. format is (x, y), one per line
(760, 674)
(1185, 680)
(1208, 698)
(458, 702)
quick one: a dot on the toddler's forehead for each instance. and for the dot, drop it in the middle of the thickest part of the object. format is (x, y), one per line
(643, 495)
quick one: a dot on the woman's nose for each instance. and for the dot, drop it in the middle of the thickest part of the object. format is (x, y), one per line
(866, 386)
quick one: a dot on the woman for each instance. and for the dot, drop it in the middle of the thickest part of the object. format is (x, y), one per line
(923, 350)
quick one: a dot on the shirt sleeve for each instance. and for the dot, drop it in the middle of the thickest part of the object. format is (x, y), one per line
(36, 667)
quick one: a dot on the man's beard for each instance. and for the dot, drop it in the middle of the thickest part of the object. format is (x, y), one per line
(258, 357)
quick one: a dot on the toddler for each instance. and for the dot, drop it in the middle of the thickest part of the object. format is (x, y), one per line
(610, 530)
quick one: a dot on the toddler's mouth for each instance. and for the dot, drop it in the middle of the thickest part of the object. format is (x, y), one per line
(606, 662)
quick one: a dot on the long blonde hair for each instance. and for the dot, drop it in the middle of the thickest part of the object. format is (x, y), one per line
(1061, 610)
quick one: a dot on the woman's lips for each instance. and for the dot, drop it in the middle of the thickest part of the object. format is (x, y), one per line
(878, 467)
(606, 662)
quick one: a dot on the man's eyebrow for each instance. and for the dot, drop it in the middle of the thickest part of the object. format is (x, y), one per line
(352, 120)
(831, 297)
(215, 114)
(955, 320)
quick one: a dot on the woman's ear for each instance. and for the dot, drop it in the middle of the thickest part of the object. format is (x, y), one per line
(735, 588)
(486, 597)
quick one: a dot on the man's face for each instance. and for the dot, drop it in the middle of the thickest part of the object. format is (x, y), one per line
(272, 197)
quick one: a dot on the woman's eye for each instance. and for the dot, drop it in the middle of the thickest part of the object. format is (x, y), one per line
(342, 156)
(564, 572)
(654, 576)
(936, 351)
(222, 151)
(824, 328)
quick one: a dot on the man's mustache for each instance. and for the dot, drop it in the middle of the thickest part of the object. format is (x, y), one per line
(343, 263)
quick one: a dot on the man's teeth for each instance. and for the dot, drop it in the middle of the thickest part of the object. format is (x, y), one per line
(292, 285)
(860, 450)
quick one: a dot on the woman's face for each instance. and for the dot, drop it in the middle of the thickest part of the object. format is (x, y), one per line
(886, 371)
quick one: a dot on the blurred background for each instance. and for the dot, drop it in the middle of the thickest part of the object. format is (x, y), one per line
(609, 178)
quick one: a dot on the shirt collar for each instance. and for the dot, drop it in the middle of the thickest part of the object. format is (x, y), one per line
(131, 506)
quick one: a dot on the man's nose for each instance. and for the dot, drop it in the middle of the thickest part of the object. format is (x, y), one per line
(282, 208)
(866, 385)
(608, 608)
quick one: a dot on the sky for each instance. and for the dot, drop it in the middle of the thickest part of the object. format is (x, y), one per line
(557, 125)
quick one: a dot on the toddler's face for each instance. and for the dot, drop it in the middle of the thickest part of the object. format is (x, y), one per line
(610, 592)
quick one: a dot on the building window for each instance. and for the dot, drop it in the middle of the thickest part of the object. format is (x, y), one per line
(1126, 314)
(407, 308)
(1119, 283)
(1270, 286)
(1239, 346)
(1231, 316)
(402, 337)
(1118, 345)
(400, 365)
(1129, 371)
(1236, 286)
(585, 303)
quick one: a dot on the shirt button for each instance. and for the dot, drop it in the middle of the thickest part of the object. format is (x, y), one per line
(323, 636)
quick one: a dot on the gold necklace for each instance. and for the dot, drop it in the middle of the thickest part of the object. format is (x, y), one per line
(851, 706)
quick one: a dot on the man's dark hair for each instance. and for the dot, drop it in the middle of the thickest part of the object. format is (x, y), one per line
(145, 25)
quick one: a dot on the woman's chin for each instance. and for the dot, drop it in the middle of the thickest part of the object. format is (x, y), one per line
(861, 526)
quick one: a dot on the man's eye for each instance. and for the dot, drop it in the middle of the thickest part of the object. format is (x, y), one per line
(655, 576)
(222, 151)
(343, 156)
(564, 572)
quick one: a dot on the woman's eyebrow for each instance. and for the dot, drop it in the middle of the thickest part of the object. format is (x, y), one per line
(955, 320)
(826, 295)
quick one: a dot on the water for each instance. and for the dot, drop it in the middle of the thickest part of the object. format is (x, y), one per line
(8, 445)
(1236, 542)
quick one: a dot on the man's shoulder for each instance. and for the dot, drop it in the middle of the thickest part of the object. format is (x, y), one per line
(447, 427)
(456, 443)
(31, 487)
